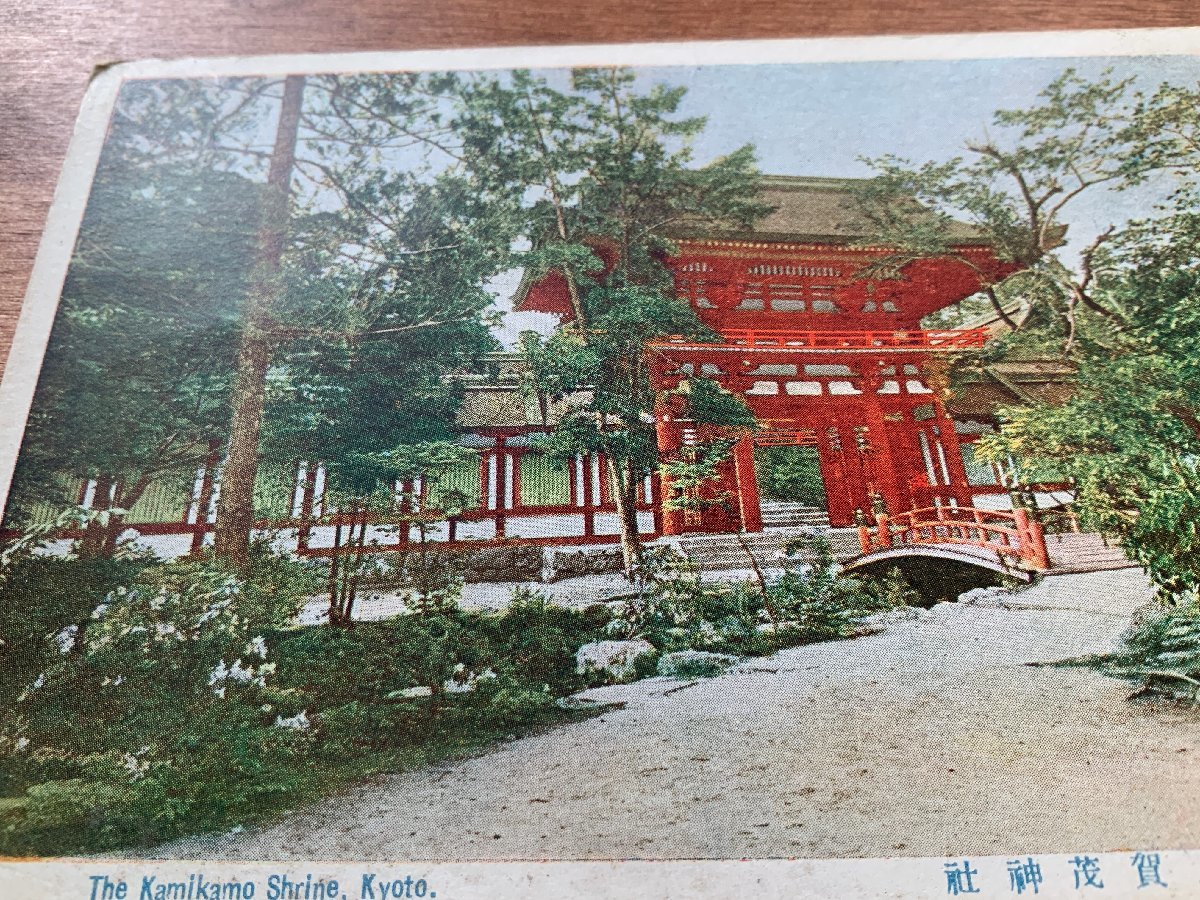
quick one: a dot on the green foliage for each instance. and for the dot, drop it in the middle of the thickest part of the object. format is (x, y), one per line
(1083, 138)
(1013, 186)
(161, 671)
(1123, 312)
(38, 598)
(194, 704)
(815, 599)
(599, 176)
(1161, 653)
(675, 609)
(694, 664)
(693, 468)
(790, 473)
(380, 290)
(706, 401)
(539, 639)
(1129, 438)
(430, 582)
(135, 378)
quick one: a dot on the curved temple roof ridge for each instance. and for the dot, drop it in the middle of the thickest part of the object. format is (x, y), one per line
(816, 209)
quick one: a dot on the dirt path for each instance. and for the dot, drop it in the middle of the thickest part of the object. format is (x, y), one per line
(930, 739)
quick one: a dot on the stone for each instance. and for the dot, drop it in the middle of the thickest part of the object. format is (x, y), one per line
(694, 664)
(984, 596)
(513, 562)
(584, 561)
(616, 659)
(891, 616)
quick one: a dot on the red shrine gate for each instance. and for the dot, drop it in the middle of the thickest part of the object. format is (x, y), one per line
(880, 427)
(825, 359)
(823, 355)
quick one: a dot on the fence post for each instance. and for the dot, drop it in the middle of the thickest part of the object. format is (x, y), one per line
(864, 530)
(1039, 556)
(884, 532)
(879, 508)
(1021, 520)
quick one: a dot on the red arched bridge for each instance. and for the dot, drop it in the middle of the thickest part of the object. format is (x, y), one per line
(1012, 543)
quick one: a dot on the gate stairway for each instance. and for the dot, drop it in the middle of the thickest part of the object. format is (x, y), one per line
(1084, 553)
(723, 552)
(784, 514)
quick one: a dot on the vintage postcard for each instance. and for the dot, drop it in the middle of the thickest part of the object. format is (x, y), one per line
(666, 470)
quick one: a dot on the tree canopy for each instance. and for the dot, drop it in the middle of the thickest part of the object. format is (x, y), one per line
(1122, 311)
(603, 175)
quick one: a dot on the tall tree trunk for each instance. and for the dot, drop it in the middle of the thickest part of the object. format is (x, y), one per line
(126, 497)
(95, 533)
(624, 489)
(235, 509)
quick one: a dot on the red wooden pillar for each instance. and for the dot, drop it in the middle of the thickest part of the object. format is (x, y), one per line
(840, 497)
(1039, 554)
(1032, 538)
(406, 507)
(585, 493)
(863, 524)
(959, 488)
(749, 502)
(670, 439)
(884, 529)
(882, 462)
(502, 485)
(484, 479)
(655, 500)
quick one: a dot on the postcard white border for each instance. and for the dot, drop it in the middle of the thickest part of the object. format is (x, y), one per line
(1174, 877)
(898, 878)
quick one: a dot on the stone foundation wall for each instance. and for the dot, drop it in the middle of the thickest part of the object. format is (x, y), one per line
(575, 562)
(514, 562)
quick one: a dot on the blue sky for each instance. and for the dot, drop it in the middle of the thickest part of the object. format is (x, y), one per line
(819, 119)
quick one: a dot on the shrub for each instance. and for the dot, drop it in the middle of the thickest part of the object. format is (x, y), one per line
(1162, 654)
(536, 640)
(430, 582)
(667, 599)
(41, 596)
(819, 603)
(163, 684)
(675, 609)
(694, 664)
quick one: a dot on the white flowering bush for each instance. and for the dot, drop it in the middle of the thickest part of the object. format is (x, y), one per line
(150, 700)
(156, 700)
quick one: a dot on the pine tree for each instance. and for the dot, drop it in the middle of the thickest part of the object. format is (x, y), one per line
(603, 173)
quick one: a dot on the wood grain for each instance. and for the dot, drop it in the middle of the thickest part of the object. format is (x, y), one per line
(48, 51)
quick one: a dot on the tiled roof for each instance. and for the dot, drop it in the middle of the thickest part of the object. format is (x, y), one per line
(497, 401)
(814, 209)
(1013, 383)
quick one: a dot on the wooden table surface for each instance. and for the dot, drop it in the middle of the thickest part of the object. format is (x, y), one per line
(49, 49)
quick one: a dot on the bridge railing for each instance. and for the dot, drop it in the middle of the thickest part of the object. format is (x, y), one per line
(1014, 536)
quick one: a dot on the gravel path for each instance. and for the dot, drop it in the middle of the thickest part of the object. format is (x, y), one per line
(932, 738)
